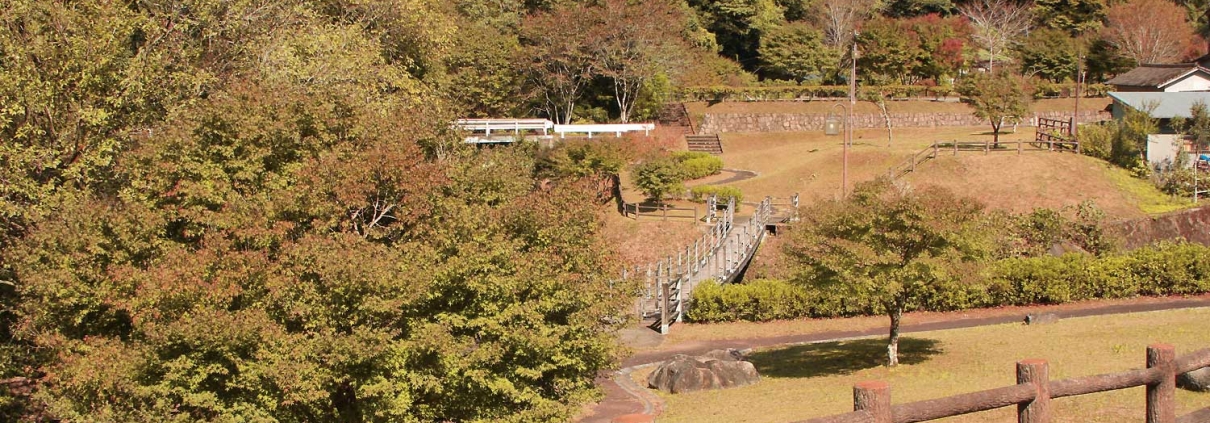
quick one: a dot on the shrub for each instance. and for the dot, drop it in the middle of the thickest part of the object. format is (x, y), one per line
(1166, 268)
(695, 164)
(658, 177)
(699, 194)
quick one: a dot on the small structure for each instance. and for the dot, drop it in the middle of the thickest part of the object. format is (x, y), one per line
(1169, 78)
(1162, 147)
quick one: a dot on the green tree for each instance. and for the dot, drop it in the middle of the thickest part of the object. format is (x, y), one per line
(889, 53)
(1073, 16)
(999, 98)
(658, 177)
(886, 242)
(796, 51)
(738, 25)
(1049, 54)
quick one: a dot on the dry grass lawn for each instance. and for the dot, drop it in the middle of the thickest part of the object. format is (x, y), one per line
(816, 380)
(810, 163)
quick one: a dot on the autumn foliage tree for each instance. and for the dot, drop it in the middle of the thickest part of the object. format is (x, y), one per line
(1148, 31)
(257, 212)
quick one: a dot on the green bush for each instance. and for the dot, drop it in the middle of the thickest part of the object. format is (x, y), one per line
(699, 194)
(1166, 268)
(696, 164)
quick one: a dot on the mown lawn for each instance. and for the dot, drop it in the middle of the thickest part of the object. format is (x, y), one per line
(816, 380)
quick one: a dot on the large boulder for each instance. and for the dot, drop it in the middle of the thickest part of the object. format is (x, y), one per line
(1197, 380)
(714, 370)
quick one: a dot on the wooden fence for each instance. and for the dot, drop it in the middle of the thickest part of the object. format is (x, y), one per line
(986, 147)
(635, 211)
(1034, 391)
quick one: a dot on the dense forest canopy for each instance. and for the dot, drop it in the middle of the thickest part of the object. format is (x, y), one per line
(255, 210)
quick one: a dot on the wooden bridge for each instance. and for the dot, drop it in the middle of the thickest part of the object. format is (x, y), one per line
(721, 255)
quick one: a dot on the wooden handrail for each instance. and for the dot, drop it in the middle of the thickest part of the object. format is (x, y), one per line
(1033, 393)
(1101, 383)
(956, 405)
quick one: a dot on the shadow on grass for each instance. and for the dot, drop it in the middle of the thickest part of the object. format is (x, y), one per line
(838, 358)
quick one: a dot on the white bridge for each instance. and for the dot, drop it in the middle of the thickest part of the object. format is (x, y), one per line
(510, 130)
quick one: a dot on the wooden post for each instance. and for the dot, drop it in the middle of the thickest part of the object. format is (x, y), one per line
(936, 148)
(664, 309)
(1019, 147)
(987, 146)
(1161, 397)
(955, 147)
(1037, 373)
(873, 396)
(665, 209)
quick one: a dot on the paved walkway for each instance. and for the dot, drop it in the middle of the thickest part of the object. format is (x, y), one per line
(619, 402)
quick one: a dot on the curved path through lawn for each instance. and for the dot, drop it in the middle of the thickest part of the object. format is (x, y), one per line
(624, 397)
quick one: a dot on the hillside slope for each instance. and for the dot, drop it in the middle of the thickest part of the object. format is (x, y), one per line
(1040, 179)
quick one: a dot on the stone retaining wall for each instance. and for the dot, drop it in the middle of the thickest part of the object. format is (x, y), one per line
(1192, 225)
(786, 122)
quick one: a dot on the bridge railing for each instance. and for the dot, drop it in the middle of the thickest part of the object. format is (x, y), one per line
(1034, 391)
(719, 256)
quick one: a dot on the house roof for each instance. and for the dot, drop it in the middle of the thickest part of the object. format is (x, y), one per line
(1156, 75)
(1167, 105)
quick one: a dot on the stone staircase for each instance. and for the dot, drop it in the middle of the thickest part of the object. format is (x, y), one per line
(674, 115)
(705, 143)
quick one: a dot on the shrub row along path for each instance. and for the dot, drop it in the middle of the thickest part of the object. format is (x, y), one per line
(623, 397)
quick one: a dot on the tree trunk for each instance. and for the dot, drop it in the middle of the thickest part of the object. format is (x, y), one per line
(892, 349)
(886, 117)
(996, 124)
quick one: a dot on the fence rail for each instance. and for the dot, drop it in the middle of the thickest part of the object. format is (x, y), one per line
(635, 210)
(987, 147)
(1033, 393)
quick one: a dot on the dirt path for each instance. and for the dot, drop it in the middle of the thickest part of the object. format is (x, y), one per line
(618, 401)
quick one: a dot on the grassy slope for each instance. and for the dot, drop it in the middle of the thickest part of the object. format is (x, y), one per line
(810, 163)
(1038, 179)
(816, 380)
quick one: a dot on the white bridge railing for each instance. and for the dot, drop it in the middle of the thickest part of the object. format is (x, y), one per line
(508, 130)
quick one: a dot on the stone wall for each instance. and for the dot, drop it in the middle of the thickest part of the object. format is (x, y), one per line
(1192, 225)
(786, 122)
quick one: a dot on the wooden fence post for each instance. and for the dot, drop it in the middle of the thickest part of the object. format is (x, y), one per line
(936, 148)
(873, 396)
(987, 147)
(1161, 396)
(664, 307)
(1020, 145)
(1037, 373)
(955, 147)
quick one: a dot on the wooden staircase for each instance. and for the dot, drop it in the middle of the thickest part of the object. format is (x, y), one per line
(705, 143)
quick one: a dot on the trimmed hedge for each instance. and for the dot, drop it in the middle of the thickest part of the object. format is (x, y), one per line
(700, 193)
(1162, 269)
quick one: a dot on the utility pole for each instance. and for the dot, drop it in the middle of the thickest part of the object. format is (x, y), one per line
(848, 142)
